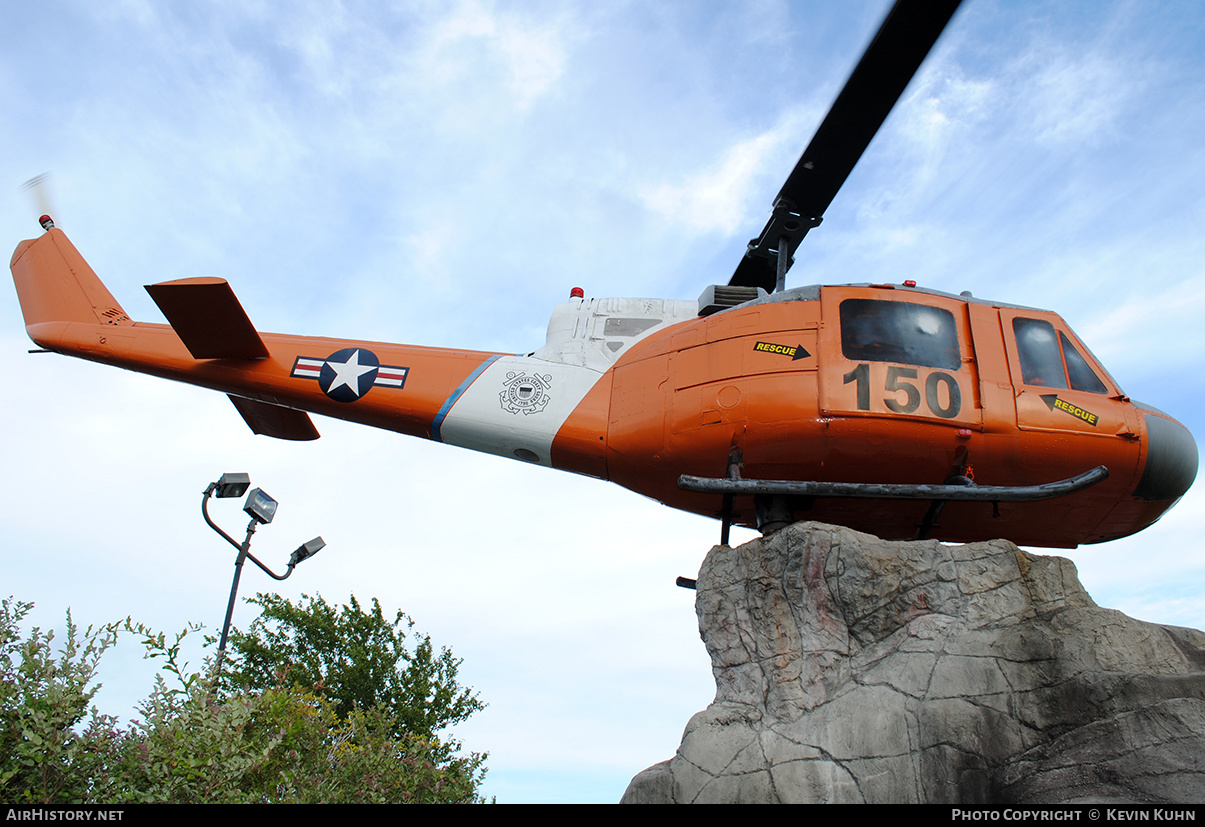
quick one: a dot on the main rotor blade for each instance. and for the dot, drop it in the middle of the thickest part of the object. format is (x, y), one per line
(877, 82)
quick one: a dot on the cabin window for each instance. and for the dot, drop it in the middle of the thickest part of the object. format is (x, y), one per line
(1042, 362)
(892, 331)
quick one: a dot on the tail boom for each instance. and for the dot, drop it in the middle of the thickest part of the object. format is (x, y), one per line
(491, 402)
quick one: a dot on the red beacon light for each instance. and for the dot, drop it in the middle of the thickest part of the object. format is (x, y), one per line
(47, 222)
(577, 293)
(910, 283)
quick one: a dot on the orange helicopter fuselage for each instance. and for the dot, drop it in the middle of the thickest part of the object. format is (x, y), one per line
(864, 384)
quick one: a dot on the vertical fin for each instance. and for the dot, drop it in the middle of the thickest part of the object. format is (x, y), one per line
(55, 284)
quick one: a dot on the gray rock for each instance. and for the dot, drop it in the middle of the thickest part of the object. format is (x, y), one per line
(852, 669)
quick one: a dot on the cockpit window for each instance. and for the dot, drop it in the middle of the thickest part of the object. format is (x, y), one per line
(1083, 378)
(1038, 349)
(888, 331)
(1041, 360)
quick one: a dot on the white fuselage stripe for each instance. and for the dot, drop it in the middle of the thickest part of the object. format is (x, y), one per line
(437, 423)
(515, 407)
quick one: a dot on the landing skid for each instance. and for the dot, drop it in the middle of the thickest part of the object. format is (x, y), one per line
(773, 508)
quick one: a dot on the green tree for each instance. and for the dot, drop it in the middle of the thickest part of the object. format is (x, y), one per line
(195, 744)
(356, 659)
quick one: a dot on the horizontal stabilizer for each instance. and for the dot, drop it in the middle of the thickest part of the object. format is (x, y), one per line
(275, 420)
(209, 319)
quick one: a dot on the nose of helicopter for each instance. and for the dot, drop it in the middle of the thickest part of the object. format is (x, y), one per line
(1171, 459)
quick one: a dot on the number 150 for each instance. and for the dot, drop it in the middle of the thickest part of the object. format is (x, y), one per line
(910, 401)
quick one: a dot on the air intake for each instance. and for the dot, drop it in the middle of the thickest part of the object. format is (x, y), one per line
(719, 297)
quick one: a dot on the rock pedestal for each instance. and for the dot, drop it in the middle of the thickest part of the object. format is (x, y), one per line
(851, 669)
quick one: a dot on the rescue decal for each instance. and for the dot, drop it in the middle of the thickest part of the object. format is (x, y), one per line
(1052, 401)
(796, 352)
(348, 374)
(525, 394)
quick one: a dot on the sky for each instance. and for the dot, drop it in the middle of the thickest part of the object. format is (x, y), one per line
(442, 173)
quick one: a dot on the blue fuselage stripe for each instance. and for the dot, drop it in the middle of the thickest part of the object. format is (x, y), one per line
(438, 422)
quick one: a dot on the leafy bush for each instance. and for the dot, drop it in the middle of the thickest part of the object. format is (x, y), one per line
(43, 759)
(285, 746)
(196, 744)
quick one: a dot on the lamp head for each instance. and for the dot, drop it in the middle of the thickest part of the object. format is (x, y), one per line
(307, 550)
(260, 506)
(232, 485)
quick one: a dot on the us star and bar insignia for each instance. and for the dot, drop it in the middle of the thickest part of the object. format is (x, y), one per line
(346, 375)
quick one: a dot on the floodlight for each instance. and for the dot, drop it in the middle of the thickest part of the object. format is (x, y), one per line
(260, 506)
(307, 550)
(232, 485)
(262, 509)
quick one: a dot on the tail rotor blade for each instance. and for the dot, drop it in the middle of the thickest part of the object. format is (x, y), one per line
(37, 189)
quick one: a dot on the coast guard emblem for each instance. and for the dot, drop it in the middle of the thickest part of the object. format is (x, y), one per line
(525, 394)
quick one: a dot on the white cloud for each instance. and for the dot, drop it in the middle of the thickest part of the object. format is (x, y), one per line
(475, 43)
(1129, 334)
(717, 199)
(1077, 100)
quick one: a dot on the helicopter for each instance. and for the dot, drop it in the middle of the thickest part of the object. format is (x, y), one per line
(889, 408)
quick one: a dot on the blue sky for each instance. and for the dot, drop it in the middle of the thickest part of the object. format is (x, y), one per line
(443, 174)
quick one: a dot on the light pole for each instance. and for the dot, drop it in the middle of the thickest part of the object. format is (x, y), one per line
(262, 509)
